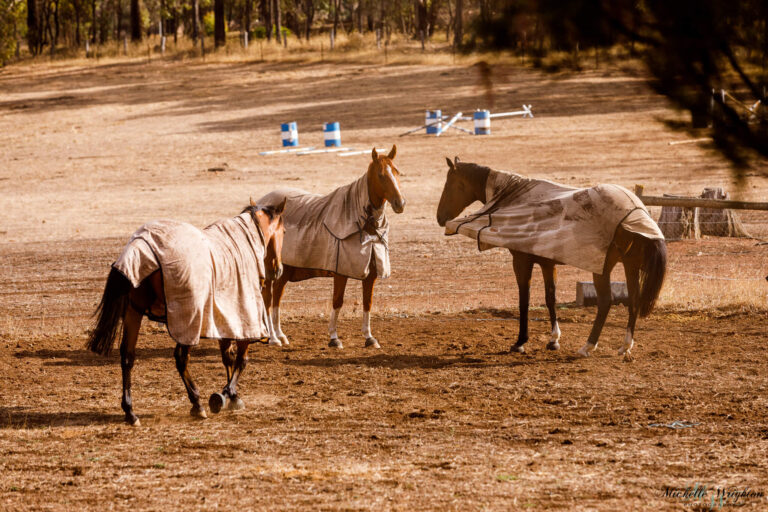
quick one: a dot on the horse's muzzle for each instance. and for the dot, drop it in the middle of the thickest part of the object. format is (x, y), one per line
(399, 206)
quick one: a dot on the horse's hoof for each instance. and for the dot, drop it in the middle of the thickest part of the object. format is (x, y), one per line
(335, 343)
(236, 404)
(274, 342)
(217, 402)
(198, 411)
(583, 352)
(553, 345)
(520, 349)
(372, 342)
(133, 421)
(628, 357)
(283, 338)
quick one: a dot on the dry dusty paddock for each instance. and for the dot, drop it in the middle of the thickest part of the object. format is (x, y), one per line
(442, 417)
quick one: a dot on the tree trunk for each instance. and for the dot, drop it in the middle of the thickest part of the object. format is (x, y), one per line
(247, 20)
(458, 31)
(135, 21)
(33, 27)
(219, 32)
(196, 21)
(265, 7)
(278, 22)
(336, 4)
(309, 13)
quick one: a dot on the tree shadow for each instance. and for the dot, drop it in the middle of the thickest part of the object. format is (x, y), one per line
(82, 357)
(24, 418)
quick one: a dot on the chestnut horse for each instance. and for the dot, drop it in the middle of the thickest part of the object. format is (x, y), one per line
(121, 302)
(644, 262)
(383, 185)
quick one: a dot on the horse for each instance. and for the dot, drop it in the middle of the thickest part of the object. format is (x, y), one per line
(341, 235)
(167, 265)
(644, 259)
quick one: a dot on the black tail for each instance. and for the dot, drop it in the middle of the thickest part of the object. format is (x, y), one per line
(652, 272)
(110, 312)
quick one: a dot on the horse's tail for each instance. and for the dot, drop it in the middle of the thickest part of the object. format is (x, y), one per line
(652, 271)
(110, 313)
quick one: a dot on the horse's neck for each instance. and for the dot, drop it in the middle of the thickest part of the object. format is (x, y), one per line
(498, 182)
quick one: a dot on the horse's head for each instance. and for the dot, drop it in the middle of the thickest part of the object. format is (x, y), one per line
(384, 181)
(270, 220)
(459, 192)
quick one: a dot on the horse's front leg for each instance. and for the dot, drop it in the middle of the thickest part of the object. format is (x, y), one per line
(228, 396)
(632, 275)
(181, 354)
(603, 289)
(523, 266)
(339, 285)
(368, 283)
(278, 287)
(549, 272)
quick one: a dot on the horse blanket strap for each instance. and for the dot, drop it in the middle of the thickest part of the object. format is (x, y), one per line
(573, 226)
(211, 276)
(340, 232)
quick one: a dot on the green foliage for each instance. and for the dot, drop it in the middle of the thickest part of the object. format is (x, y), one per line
(208, 24)
(258, 33)
(12, 27)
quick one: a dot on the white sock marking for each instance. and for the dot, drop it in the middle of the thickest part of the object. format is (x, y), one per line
(555, 333)
(367, 324)
(332, 324)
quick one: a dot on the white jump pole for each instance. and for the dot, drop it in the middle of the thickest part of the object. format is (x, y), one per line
(448, 124)
(287, 150)
(364, 151)
(320, 151)
(526, 112)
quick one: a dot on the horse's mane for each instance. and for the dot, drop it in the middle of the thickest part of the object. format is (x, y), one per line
(269, 210)
(473, 171)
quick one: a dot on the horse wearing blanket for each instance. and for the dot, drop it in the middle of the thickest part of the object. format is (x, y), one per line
(548, 224)
(342, 235)
(201, 284)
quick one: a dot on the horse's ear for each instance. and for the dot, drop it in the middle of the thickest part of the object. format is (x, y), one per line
(281, 207)
(374, 155)
(393, 152)
(253, 203)
(450, 164)
(456, 159)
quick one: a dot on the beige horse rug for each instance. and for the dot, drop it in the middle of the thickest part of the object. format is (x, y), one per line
(339, 232)
(572, 226)
(212, 277)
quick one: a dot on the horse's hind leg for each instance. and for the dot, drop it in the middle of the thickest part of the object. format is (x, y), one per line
(549, 272)
(181, 354)
(229, 396)
(139, 299)
(523, 266)
(131, 325)
(632, 274)
(339, 285)
(603, 289)
(368, 283)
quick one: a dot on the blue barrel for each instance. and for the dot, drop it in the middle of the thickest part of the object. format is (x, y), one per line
(290, 134)
(332, 134)
(433, 121)
(482, 120)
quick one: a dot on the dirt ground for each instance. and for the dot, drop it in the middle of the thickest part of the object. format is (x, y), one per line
(442, 417)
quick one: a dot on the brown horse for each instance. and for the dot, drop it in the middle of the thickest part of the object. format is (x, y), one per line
(248, 245)
(340, 235)
(644, 262)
